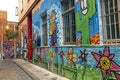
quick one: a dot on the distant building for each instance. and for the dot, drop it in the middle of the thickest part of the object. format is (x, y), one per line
(3, 23)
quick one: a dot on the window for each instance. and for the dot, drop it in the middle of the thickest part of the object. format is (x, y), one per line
(44, 27)
(110, 18)
(69, 22)
(21, 6)
(16, 11)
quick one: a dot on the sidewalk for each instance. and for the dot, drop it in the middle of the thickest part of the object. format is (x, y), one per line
(36, 72)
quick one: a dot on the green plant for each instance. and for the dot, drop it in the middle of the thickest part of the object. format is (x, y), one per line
(11, 34)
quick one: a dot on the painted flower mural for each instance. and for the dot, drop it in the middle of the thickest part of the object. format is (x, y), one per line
(106, 63)
(83, 55)
(61, 54)
(71, 56)
(51, 54)
(117, 76)
(84, 60)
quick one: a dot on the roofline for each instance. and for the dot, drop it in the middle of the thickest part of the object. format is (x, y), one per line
(13, 22)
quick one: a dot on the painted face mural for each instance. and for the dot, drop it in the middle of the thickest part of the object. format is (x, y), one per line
(85, 16)
(84, 6)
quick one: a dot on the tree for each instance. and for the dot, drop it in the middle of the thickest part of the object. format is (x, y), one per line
(12, 34)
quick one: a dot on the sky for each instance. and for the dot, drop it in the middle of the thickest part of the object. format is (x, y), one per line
(9, 6)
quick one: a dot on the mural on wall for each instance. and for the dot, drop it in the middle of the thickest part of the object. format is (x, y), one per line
(51, 55)
(53, 29)
(24, 38)
(85, 63)
(8, 50)
(83, 56)
(55, 25)
(24, 34)
(106, 64)
(36, 29)
(71, 56)
(75, 63)
(87, 25)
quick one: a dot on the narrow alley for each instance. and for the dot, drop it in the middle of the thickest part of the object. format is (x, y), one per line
(59, 39)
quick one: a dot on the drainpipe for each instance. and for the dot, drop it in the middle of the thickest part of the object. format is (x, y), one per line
(14, 45)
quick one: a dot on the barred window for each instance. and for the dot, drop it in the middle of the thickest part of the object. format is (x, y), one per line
(44, 27)
(69, 22)
(110, 18)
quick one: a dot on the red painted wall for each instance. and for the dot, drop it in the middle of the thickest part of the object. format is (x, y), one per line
(29, 54)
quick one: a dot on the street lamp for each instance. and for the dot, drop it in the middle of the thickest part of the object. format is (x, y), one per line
(7, 27)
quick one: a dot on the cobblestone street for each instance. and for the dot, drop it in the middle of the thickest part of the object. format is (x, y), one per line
(10, 71)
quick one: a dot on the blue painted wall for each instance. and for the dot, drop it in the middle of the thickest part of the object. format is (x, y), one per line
(70, 56)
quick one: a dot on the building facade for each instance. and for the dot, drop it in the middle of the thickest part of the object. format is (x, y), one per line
(7, 46)
(73, 37)
(3, 23)
(25, 26)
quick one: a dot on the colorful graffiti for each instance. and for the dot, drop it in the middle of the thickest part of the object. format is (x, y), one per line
(55, 26)
(24, 40)
(36, 30)
(106, 63)
(54, 23)
(81, 63)
(84, 61)
(71, 56)
(53, 29)
(86, 14)
(75, 63)
(8, 50)
(87, 23)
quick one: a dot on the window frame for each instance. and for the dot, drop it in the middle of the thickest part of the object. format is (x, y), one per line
(44, 29)
(110, 40)
(16, 11)
(68, 10)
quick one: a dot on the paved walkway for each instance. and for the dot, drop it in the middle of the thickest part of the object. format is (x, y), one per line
(37, 72)
(10, 71)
